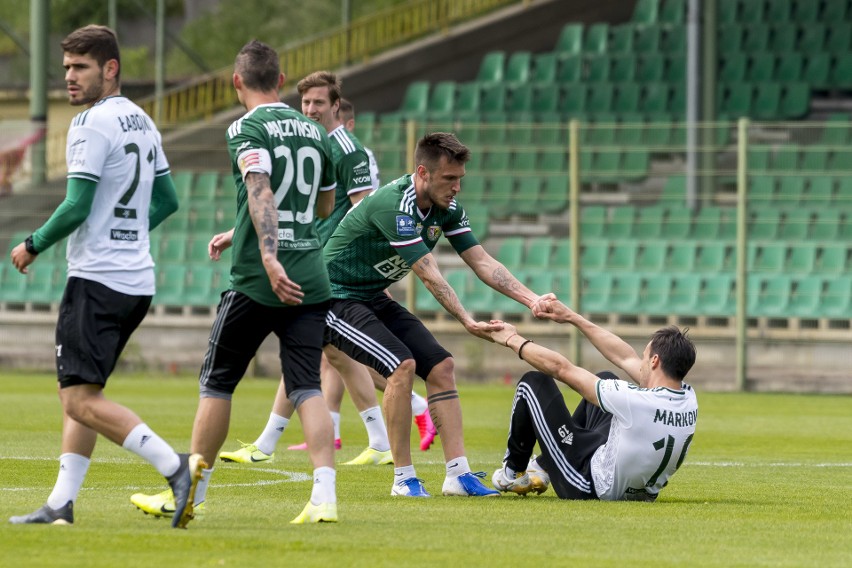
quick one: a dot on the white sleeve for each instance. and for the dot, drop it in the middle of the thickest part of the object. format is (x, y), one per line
(614, 397)
(255, 160)
(86, 150)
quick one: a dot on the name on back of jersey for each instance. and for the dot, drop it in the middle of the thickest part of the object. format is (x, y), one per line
(291, 127)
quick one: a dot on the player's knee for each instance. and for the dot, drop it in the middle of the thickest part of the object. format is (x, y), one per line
(534, 377)
(443, 375)
(403, 375)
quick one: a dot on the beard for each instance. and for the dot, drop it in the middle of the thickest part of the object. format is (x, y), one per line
(90, 94)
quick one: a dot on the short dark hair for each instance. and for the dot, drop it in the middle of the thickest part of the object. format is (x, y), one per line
(346, 111)
(322, 79)
(259, 66)
(431, 147)
(675, 350)
(99, 42)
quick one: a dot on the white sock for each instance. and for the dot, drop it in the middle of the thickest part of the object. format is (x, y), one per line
(376, 431)
(335, 418)
(143, 442)
(508, 472)
(457, 466)
(201, 488)
(72, 472)
(324, 486)
(418, 404)
(400, 474)
(268, 439)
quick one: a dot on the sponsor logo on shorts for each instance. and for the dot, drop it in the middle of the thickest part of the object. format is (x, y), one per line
(566, 435)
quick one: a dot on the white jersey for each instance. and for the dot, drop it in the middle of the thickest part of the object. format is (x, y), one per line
(374, 169)
(115, 144)
(648, 439)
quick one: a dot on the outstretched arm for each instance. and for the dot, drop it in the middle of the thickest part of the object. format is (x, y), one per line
(548, 362)
(427, 270)
(264, 216)
(492, 272)
(616, 350)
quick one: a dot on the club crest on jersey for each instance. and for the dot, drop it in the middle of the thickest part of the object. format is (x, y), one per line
(405, 226)
(433, 233)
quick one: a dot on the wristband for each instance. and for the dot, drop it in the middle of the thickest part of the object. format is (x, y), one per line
(510, 337)
(28, 244)
(521, 348)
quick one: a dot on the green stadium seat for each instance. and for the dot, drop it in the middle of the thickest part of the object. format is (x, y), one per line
(766, 258)
(762, 191)
(199, 288)
(783, 38)
(647, 38)
(528, 193)
(795, 224)
(196, 248)
(646, 11)
(518, 67)
(710, 257)
(795, 100)
(596, 39)
(497, 159)
(826, 225)
(732, 67)
(492, 67)
(594, 254)
(625, 294)
(171, 283)
(560, 259)
(836, 300)
(622, 256)
(673, 12)
(635, 164)
(683, 296)
(816, 70)
(773, 296)
(620, 39)
(791, 191)
(544, 67)
(365, 125)
(569, 68)
(805, 297)
(833, 11)
(511, 252)
(832, 258)
(841, 72)
(518, 99)
(756, 37)
(599, 133)
(538, 253)
(654, 296)
(813, 160)
(593, 219)
(473, 188)
(676, 69)
(595, 294)
(735, 99)
(805, 12)
(811, 37)
(183, 184)
(390, 129)
(707, 223)
(493, 98)
(553, 159)
(572, 104)
(778, 11)
(443, 97)
(479, 221)
(623, 68)
(205, 187)
(785, 161)
(678, 223)
(626, 98)
(789, 67)
(620, 225)
(597, 67)
(650, 67)
(761, 67)
(839, 37)
(716, 295)
(500, 195)
(649, 222)
(819, 192)
(544, 99)
(729, 38)
(655, 100)
(172, 248)
(554, 194)
(415, 101)
(673, 39)
(801, 258)
(651, 256)
(752, 12)
(600, 98)
(456, 278)
(763, 223)
(202, 218)
(468, 96)
(570, 39)
(727, 11)
(523, 160)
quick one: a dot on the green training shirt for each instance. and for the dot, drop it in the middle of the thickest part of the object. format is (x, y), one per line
(384, 234)
(352, 171)
(296, 155)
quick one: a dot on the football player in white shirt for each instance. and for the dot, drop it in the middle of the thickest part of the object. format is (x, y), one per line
(624, 441)
(118, 189)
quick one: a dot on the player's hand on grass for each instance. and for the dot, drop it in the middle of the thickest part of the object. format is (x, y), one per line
(219, 243)
(483, 329)
(22, 258)
(502, 335)
(287, 291)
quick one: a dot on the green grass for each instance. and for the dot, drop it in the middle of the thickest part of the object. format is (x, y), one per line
(768, 482)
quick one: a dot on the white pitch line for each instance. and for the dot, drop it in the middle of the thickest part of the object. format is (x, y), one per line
(770, 464)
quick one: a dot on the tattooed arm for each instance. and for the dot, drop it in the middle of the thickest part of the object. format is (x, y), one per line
(427, 270)
(264, 216)
(492, 272)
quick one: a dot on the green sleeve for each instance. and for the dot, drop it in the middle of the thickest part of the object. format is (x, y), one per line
(164, 200)
(79, 196)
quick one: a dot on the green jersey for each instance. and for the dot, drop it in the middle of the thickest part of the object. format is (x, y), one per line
(352, 170)
(384, 234)
(295, 153)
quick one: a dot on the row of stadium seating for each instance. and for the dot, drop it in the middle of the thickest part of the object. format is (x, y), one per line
(661, 294)
(676, 256)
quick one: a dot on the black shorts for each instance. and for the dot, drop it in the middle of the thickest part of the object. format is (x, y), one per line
(567, 441)
(381, 334)
(94, 324)
(241, 326)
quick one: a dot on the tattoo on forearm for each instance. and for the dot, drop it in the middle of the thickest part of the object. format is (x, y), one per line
(505, 280)
(263, 212)
(442, 396)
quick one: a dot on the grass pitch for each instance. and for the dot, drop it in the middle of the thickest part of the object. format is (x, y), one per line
(767, 482)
